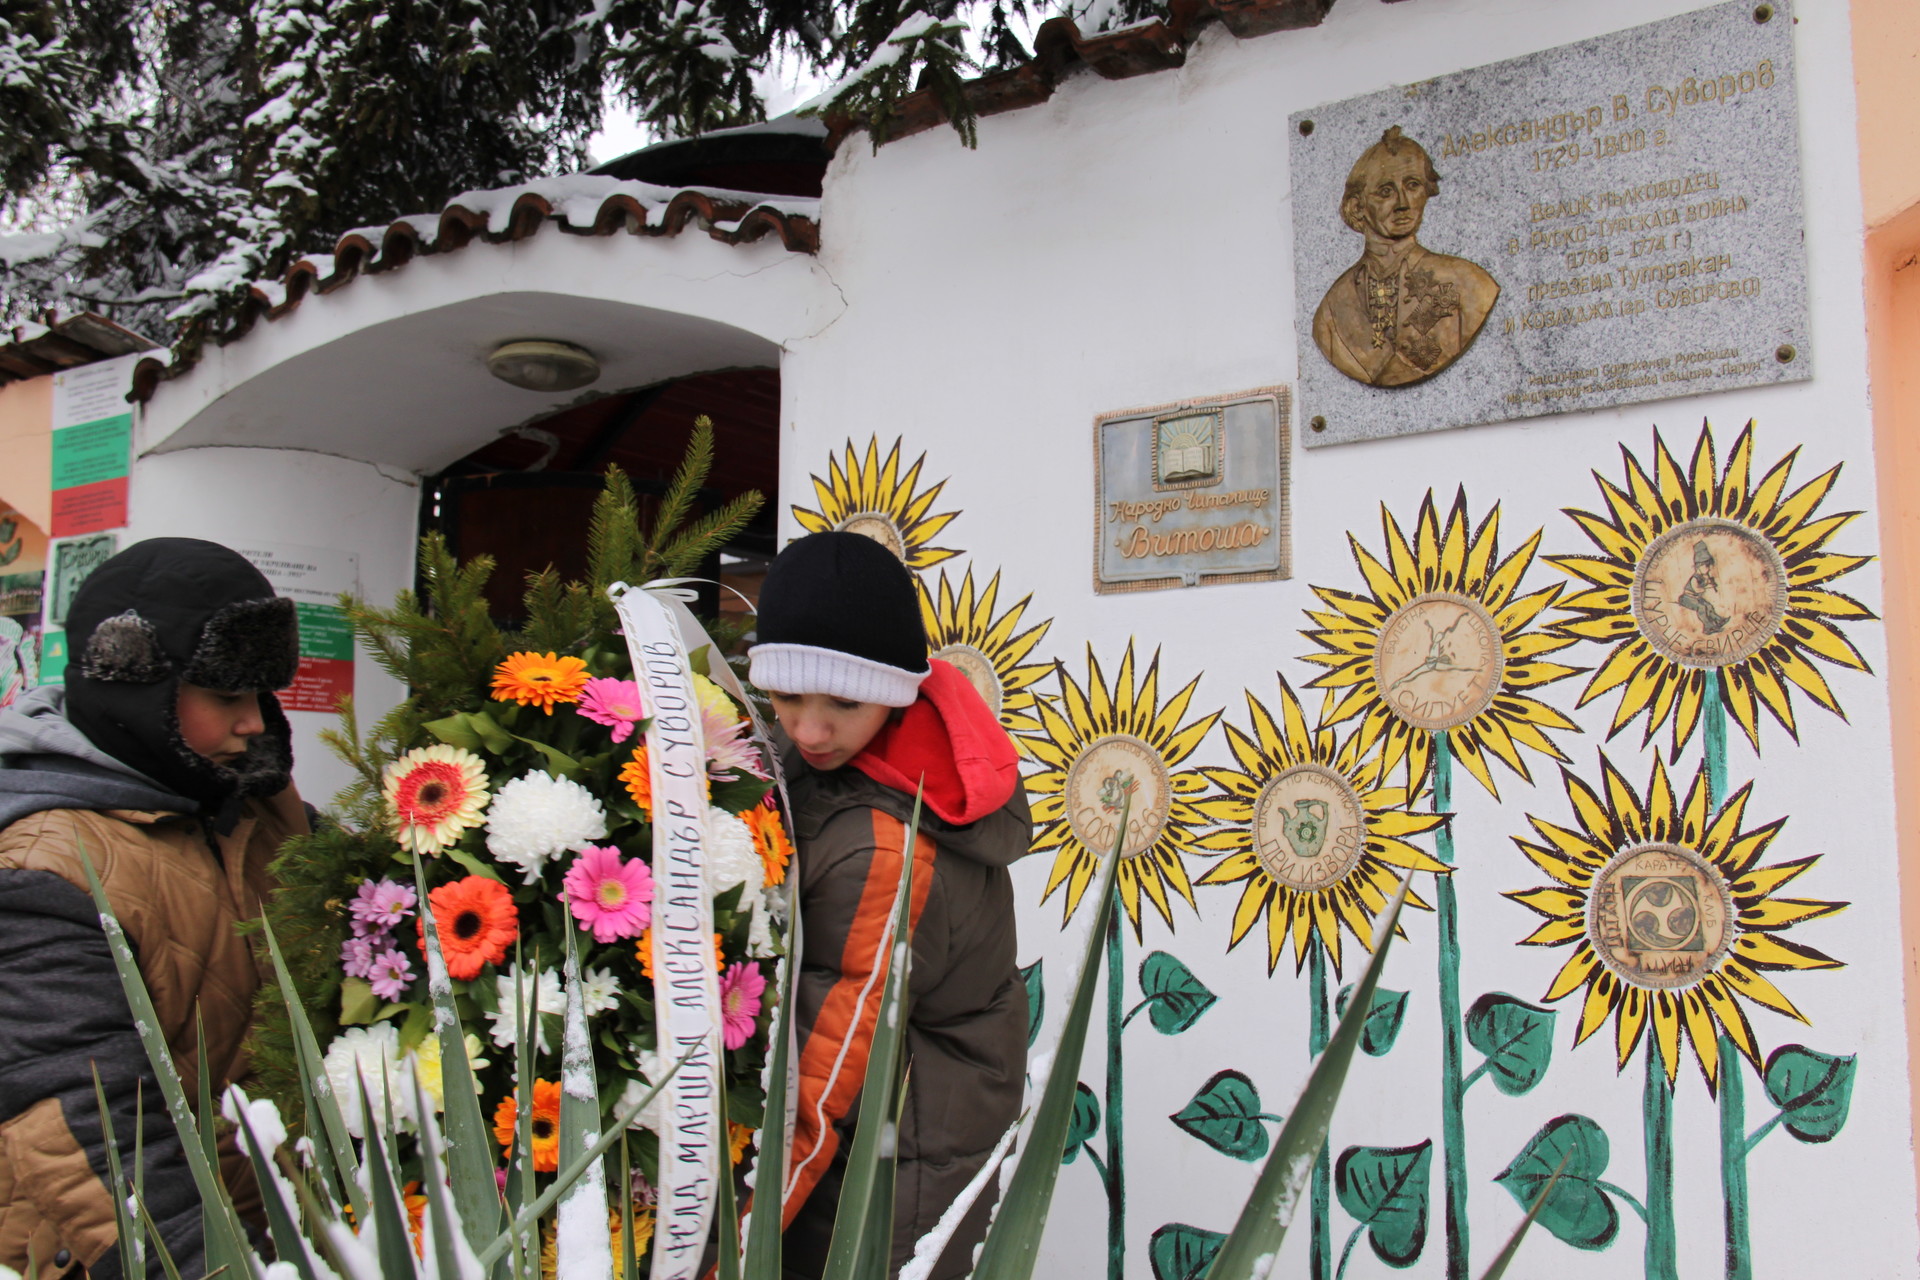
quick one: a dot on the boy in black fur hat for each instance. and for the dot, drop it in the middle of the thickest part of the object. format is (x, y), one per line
(166, 763)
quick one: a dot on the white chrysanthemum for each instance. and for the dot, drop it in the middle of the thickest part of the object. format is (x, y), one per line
(544, 990)
(535, 817)
(599, 991)
(371, 1054)
(649, 1116)
(731, 856)
(760, 934)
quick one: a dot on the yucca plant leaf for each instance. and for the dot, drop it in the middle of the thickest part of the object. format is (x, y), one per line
(861, 1194)
(1013, 1240)
(476, 1196)
(440, 1215)
(1256, 1238)
(583, 1211)
(126, 1239)
(727, 1209)
(528, 1219)
(770, 1163)
(289, 1245)
(1505, 1256)
(226, 1235)
(389, 1217)
(333, 1152)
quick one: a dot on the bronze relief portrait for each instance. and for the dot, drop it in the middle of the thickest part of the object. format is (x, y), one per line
(1402, 313)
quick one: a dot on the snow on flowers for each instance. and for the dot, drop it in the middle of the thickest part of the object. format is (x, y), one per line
(528, 818)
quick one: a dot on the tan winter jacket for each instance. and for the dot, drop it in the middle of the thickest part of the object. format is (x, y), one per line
(181, 900)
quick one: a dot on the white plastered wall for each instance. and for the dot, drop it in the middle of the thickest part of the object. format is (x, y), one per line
(1128, 243)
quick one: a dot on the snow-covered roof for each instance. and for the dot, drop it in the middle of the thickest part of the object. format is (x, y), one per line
(581, 204)
(33, 350)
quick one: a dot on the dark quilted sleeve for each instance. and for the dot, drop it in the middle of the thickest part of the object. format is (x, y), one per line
(63, 1014)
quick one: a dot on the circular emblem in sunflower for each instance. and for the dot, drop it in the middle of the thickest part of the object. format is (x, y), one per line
(1309, 828)
(1108, 773)
(1709, 592)
(1439, 661)
(978, 668)
(1660, 916)
(867, 494)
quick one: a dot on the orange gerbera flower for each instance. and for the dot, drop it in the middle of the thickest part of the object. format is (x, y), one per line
(417, 1216)
(770, 839)
(644, 949)
(546, 1124)
(540, 678)
(738, 1136)
(637, 774)
(477, 922)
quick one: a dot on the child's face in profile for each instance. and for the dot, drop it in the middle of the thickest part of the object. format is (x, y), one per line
(217, 724)
(829, 731)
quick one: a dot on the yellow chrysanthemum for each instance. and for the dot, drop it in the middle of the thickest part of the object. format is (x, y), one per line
(991, 652)
(871, 497)
(1102, 746)
(1311, 830)
(1702, 570)
(1669, 913)
(1442, 646)
(541, 679)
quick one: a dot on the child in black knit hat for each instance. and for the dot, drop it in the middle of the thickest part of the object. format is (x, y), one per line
(869, 720)
(165, 762)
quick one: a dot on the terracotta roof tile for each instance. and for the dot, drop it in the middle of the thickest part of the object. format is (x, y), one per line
(578, 204)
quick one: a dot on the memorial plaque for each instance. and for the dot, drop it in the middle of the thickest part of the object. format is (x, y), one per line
(1609, 222)
(1191, 494)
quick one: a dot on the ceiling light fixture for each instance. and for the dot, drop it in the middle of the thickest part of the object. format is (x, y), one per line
(541, 365)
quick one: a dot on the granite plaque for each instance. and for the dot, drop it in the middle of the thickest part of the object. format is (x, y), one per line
(1191, 494)
(1604, 223)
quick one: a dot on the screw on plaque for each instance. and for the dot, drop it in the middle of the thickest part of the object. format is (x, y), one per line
(1763, 13)
(1318, 424)
(1306, 128)
(1784, 353)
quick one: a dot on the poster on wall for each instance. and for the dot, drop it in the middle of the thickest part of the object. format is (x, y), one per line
(92, 447)
(1605, 223)
(69, 562)
(1191, 494)
(313, 578)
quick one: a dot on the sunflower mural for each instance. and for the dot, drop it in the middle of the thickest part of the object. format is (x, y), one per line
(864, 493)
(991, 651)
(1442, 646)
(1708, 577)
(1102, 744)
(1674, 925)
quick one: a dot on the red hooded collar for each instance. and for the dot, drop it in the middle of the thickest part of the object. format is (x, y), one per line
(952, 739)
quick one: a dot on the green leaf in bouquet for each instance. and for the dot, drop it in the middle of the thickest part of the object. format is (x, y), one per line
(1225, 1114)
(1517, 1038)
(559, 763)
(1036, 999)
(1180, 1252)
(1085, 1122)
(471, 864)
(417, 1025)
(456, 731)
(1385, 1189)
(1812, 1089)
(1268, 1212)
(1012, 1245)
(1561, 1165)
(1175, 999)
(1383, 1020)
(358, 1004)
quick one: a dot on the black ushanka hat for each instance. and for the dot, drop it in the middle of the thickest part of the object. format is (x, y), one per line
(169, 610)
(839, 615)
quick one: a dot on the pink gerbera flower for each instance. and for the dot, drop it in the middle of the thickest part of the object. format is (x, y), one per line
(741, 987)
(614, 703)
(380, 906)
(611, 896)
(356, 957)
(392, 974)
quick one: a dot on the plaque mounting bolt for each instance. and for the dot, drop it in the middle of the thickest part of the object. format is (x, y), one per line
(1318, 423)
(1784, 353)
(1306, 128)
(1763, 13)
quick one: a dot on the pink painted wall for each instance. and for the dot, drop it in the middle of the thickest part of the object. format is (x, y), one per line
(26, 448)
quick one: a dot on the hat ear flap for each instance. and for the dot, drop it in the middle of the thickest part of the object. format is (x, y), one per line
(250, 644)
(125, 649)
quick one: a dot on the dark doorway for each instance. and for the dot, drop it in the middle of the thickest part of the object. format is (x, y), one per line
(526, 497)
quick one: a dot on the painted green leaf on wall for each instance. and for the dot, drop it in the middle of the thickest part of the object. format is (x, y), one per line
(1181, 1252)
(1084, 1123)
(1226, 1115)
(1517, 1038)
(1812, 1089)
(1036, 1000)
(1175, 999)
(1576, 1209)
(1384, 1019)
(1386, 1188)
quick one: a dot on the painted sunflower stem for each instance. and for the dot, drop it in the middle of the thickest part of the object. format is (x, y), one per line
(1115, 1175)
(1733, 1102)
(1317, 1037)
(1657, 1104)
(1452, 1088)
